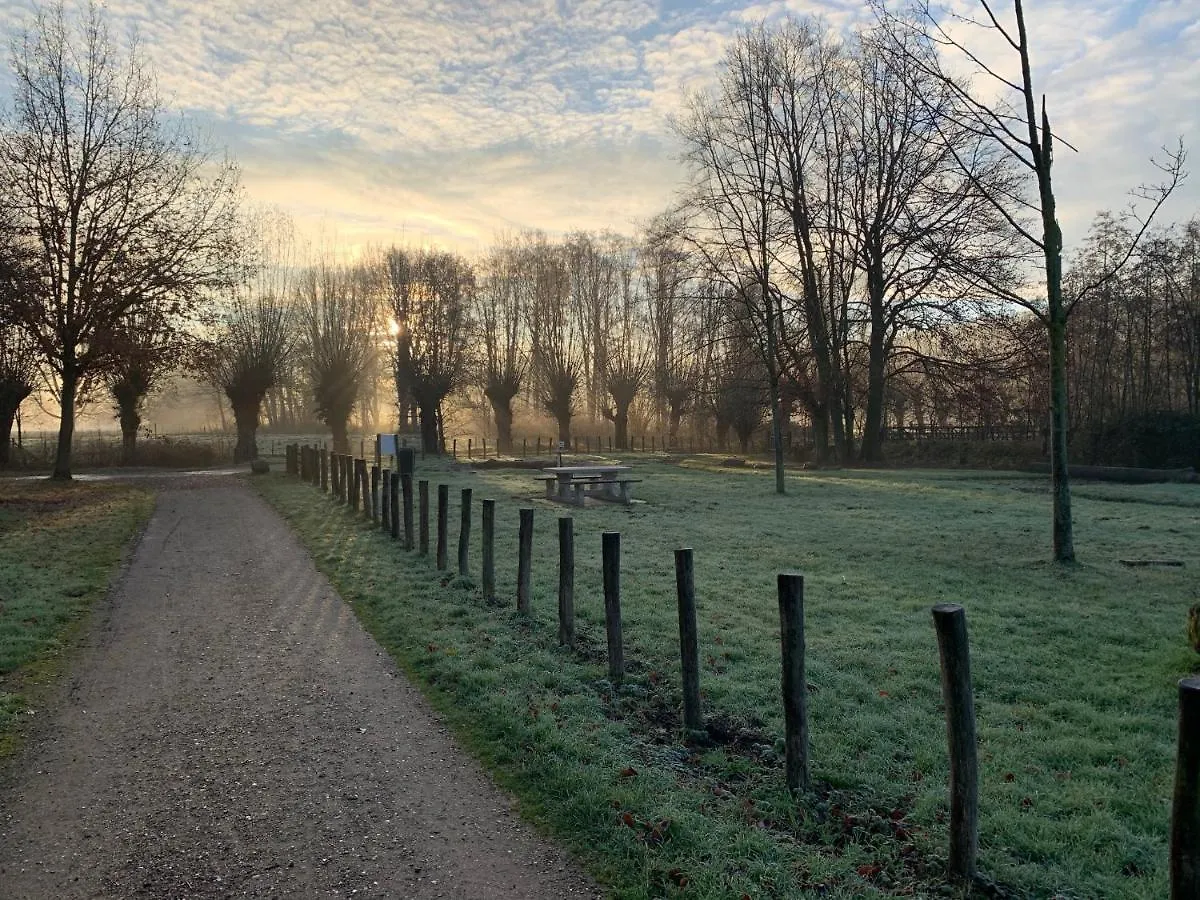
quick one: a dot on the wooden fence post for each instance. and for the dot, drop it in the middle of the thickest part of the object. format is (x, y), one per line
(375, 495)
(394, 503)
(795, 687)
(443, 512)
(385, 505)
(611, 547)
(566, 581)
(951, 624)
(689, 644)
(464, 535)
(524, 560)
(1185, 810)
(406, 496)
(324, 469)
(489, 550)
(423, 497)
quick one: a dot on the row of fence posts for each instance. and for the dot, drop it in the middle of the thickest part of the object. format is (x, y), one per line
(949, 621)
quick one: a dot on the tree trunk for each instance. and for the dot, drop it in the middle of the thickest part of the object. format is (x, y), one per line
(8, 412)
(429, 429)
(502, 413)
(245, 415)
(66, 425)
(1064, 539)
(621, 427)
(564, 429)
(130, 421)
(872, 442)
(339, 426)
(722, 435)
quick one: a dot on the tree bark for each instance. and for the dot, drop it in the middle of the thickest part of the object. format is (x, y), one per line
(130, 420)
(245, 415)
(66, 425)
(502, 413)
(621, 428)
(429, 429)
(8, 413)
(872, 442)
(338, 425)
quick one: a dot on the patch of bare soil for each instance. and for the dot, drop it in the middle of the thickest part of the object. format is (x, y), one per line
(231, 731)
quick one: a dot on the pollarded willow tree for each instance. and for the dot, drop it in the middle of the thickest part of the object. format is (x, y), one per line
(556, 358)
(628, 357)
(1013, 121)
(502, 301)
(143, 346)
(128, 208)
(430, 294)
(338, 309)
(249, 340)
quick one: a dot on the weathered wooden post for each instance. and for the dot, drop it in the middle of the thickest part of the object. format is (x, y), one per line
(423, 535)
(611, 563)
(406, 490)
(464, 534)
(344, 478)
(524, 559)
(443, 511)
(951, 624)
(689, 644)
(539, 445)
(454, 448)
(470, 448)
(394, 503)
(375, 495)
(566, 581)
(324, 469)
(795, 687)
(484, 447)
(1185, 809)
(316, 467)
(489, 550)
(385, 506)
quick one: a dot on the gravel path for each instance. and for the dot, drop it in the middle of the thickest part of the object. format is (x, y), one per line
(232, 731)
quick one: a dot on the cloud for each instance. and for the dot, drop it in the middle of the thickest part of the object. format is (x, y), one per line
(446, 120)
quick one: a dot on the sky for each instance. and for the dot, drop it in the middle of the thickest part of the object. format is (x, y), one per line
(449, 121)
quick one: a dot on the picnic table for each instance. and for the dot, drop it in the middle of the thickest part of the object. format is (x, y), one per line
(573, 484)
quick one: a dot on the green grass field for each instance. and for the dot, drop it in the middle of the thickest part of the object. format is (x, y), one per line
(1074, 670)
(60, 545)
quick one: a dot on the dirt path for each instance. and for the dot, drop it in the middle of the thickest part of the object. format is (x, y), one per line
(232, 731)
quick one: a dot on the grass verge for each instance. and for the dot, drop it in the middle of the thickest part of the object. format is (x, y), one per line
(1074, 676)
(59, 547)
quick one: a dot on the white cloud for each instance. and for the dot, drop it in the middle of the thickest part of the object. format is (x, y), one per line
(450, 119)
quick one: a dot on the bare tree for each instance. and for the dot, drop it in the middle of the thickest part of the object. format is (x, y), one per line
(627, 356)
(143, 346)
(1015, 126)
(556, 357)
(668, 271)
(248, 343)
(430, 293)
(127, 209)
(503, 300)
(18, 376)
(338, 309)
(731, 219)
(916, 217)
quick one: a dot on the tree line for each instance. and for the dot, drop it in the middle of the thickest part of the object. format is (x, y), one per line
(866, 239)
